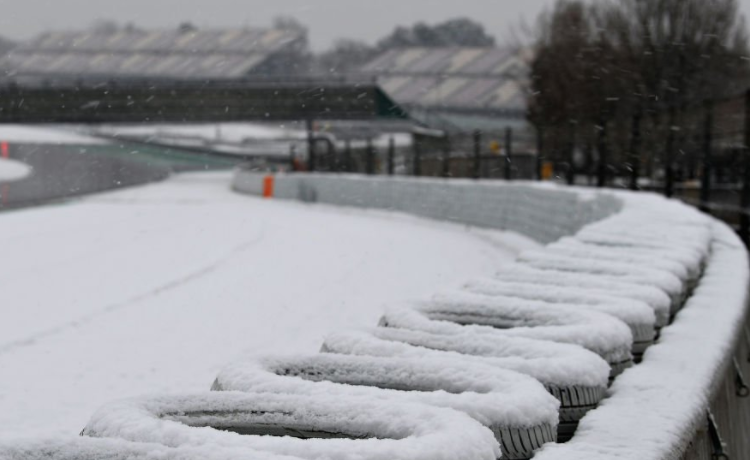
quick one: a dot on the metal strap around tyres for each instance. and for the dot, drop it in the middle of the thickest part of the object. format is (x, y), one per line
(717, 444)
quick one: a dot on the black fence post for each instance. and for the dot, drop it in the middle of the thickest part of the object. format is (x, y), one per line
(347, 166)
(477, 173)
(707, 144)
(334, 161)
(669, 155)
(745, 196)
(417, 159)
(601, 145)
(635, 150)
(391, 155)
(311, 154)
(570, 173)
(539, 150)
(508, 153)
(370, 158)
(446, 163)
(292, 157)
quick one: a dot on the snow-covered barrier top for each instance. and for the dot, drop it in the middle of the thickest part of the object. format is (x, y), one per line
(85, 448)
(494, 397)
(461, 313)
(339, 428)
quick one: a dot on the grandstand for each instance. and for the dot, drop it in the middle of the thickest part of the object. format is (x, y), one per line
(455, 88)
(184, 53)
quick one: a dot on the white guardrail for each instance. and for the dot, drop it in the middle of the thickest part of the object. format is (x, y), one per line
(617, 340)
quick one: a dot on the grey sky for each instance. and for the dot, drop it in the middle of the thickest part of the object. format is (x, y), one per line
(327, 19)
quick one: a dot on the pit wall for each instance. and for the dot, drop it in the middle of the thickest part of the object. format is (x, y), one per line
(656, 410)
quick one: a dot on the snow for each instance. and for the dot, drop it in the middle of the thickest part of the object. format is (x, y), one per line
(372, 430)
(582, 251)
(236, 138)
(494, 397)
(691, 262)
(85, 448)
(44, 135)
(584, 282)
(655, 408)
(603, 334)
(229, 132)
(553, 364)
(154, 289)
(634, 313)
(664, 280)
(11, 170)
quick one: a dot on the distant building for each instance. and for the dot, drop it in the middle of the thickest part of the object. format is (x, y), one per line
(132, 53)
(461, 90)
(455, 88)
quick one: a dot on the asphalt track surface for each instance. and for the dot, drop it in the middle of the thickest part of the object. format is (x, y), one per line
(65, 171)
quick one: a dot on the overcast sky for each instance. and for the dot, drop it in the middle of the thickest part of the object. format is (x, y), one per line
(327, 19)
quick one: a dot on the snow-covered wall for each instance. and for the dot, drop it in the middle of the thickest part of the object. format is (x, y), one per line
(657, 409)
(529, 209)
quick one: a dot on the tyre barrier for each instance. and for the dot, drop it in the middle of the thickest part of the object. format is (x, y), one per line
(321, 427)
(576, 377)
(584, 282)
(614, 231)
(562, 293)
(634, 274)
(686, 265)
(520, 412)
(640, 318)
(603, 334)
(85, 448)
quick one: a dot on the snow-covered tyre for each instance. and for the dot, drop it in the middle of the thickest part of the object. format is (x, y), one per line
(661, 279)
(603, 334)
(576, 377)
(329, 427)
(684, 264)
(659, 301)
(576, 401)
(85, 448)
(639, 316)
(518, 409)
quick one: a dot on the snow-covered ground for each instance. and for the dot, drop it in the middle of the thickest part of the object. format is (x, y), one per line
(44, 134)
(155, 289)
(264, 139)
(11, 170)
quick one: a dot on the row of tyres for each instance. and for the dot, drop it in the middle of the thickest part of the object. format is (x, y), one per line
(495, 369)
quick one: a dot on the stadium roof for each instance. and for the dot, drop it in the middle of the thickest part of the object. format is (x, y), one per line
(185, 53)
(458, 79)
